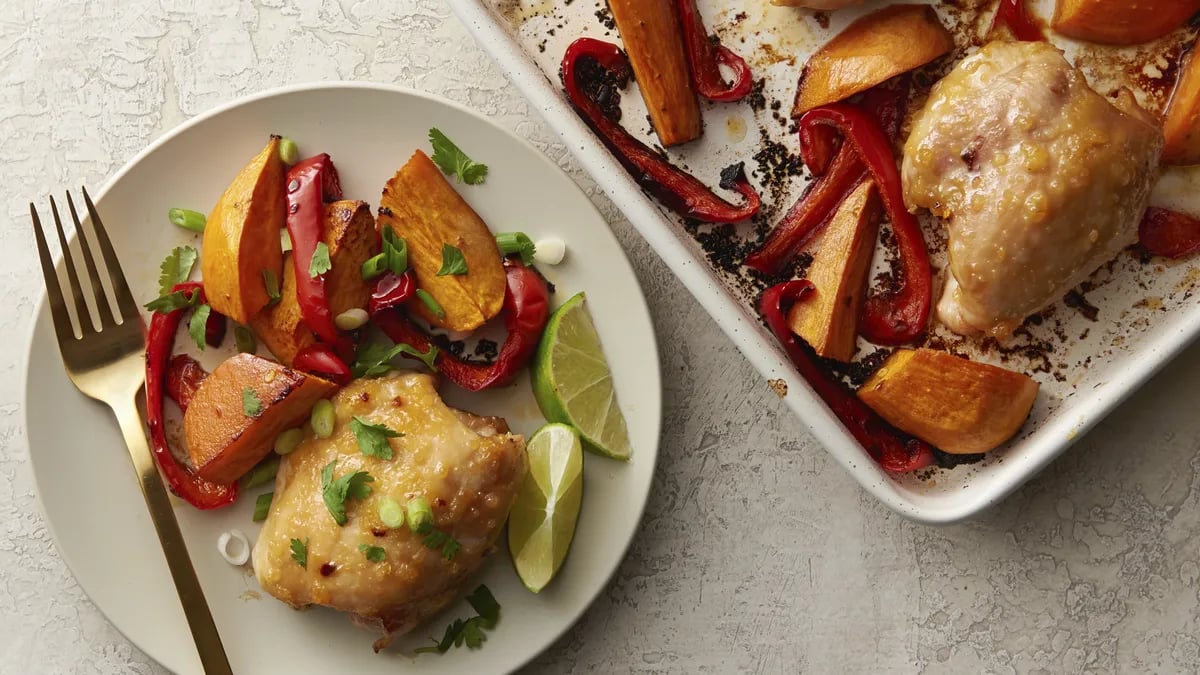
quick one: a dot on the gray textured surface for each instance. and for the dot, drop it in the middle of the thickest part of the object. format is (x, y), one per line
(757, 553)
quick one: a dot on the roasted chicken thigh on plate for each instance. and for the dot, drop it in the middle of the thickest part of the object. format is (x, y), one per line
(1041, 180)
(467, 467)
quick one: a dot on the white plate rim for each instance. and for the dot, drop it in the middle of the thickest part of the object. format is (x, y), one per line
(168, 135)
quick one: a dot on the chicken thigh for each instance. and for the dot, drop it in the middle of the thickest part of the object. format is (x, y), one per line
(467, 467)
(1040, 178)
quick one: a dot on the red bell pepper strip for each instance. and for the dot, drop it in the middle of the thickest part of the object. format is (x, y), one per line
(839, 171)
(889, 447)
(1011, 14)
(321, 360)
(391, 290)
(160, 340)
(807, 214)
(526, 310)
(184, 375)
(311, 183)
(706, 56)
(1168, 233)
(899, 316)
(585, 67)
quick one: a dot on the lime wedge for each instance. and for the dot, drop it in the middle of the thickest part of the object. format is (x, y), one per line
(542, 521)
(572, 383)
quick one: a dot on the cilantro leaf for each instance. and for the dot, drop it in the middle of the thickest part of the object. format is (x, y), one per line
(170, 302)
(470, 632)
(336, 492)
(375, 554)
(262, 506)
(197, 323)
(372, 438)
(300, 552)
(251, 404)
(437, 539)
(375, 359)
(271, 282)
(320, 263)
(176, 268)
(482, 600)
(451, 160)
(453, 262)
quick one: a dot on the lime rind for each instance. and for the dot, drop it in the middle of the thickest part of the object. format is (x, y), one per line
(542, 522)
(572, 382)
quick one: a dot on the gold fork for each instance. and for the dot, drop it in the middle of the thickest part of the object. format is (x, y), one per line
(108, 364)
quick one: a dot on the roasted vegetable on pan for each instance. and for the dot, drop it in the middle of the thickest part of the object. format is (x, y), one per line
(1121, 22)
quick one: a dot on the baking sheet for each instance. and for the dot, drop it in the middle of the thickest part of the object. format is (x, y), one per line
(1088, 351)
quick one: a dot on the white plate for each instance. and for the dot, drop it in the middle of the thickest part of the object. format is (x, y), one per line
(84, 477)
(1148, 313)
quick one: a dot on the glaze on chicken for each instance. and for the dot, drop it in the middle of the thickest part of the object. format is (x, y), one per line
(1040, 179)
(467, 467)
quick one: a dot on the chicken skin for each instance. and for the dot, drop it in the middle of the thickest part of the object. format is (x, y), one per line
(1040, 178)
(467, 467)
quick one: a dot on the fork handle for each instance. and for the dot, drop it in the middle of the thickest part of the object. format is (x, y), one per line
(191, 596)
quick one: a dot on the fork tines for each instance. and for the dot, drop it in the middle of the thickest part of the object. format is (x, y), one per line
(126, 309)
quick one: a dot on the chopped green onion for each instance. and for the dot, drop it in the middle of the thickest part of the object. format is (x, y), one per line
(374, 267)
(322, 418)
(288, 152)
(390, 512)
(431, 303)
(271, 283)
(287, 441)
(285, 240)
(420, 514)
(262, 506)
(395, 251)
(187, 219)
(351, 319)
(516, 242)
(262, 474)
(244, 339)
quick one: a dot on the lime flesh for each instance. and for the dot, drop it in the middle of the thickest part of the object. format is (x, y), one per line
(572, 382)
(542, 521)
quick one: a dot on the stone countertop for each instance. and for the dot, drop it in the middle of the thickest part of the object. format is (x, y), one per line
(757, 553)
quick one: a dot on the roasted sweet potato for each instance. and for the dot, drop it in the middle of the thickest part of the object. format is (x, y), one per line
(241, 239)
(1121, 22)
(224, 441)
(873, 49)
(958, 405)
(1181, 123)
(841, 259)
(350, 234)
(423, 207)
(653, 39)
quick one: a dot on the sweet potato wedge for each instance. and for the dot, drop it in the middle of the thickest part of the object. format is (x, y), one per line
(958, 405)
(223, 441)
(350, 234)
(1121, 22)
(841, 259)
(653, 39)
(1181, 121)
(241, 239)
(423, 207)
(873, 49)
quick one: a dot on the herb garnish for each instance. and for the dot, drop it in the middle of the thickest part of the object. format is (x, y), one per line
(165, 304)
(375, 359)
(469, 631)
(320, 263)
(453, 262)
(300, 552)
(262, 506)
(197, 323)
(451, 160)
(251, 404)
(431, 303)
(336, 492)
(375, 554)
(271, 283)
(176, 268)
(373, 438)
